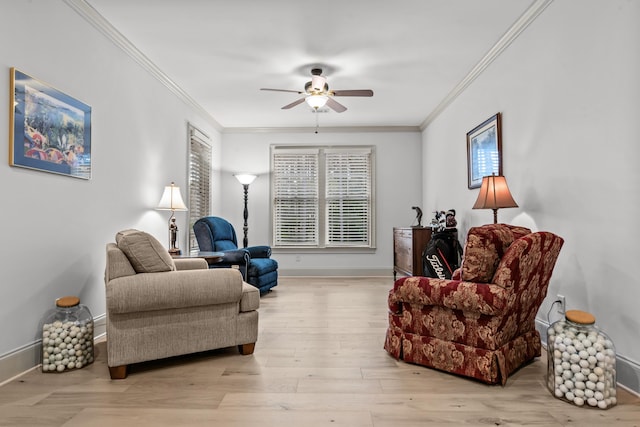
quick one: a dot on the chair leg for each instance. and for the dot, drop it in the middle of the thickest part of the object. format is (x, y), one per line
(118, 372)
(246, 349)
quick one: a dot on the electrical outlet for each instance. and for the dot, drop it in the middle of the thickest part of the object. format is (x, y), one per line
(561, 306)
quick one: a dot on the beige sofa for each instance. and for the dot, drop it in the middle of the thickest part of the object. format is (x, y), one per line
(158, 307)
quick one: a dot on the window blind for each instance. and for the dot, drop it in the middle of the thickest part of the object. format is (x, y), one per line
(322, 196)
(295, 188)
(348, 197)
(199, 181)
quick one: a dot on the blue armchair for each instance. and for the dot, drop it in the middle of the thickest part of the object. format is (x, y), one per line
(257, 268)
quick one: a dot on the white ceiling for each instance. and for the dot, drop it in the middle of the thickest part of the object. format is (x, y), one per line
(411, 53)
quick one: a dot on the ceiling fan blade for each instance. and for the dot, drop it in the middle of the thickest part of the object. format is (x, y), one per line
(335, 105)
(293, 104)
(357, 92)
(283, 90)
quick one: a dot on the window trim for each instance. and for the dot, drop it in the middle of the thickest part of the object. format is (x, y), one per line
(322, 230)
(196, 135)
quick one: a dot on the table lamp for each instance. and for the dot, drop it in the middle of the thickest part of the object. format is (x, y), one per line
(172, 201)
(494, 194)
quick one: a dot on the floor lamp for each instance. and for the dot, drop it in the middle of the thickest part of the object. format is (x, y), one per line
(172, 201)
(494, 194)
(245, 179)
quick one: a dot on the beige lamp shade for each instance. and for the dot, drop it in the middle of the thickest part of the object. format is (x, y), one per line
(171, 199)
(494, 194)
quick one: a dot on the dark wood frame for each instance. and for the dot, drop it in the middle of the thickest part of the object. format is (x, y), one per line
(488, 133)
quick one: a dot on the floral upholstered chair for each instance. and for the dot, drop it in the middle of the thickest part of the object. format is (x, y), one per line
(480, 324)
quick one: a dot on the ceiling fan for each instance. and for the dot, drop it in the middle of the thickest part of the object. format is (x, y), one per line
(317, 93)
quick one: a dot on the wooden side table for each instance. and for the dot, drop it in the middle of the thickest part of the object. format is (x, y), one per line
(210, 257)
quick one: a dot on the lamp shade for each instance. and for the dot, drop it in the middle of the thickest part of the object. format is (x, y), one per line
(171, 199)
(318, 83)
(494, 194)
(316, 101)
(245, 178)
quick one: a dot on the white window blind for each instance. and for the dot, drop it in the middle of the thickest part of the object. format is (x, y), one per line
(199, 180)
(295, 190)
(322, 196)
(348, 197)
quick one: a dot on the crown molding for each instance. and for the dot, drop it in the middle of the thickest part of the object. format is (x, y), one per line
(335, 129)
(509, 37)
(92, 16)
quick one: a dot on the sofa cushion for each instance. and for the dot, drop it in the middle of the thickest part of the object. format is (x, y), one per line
(145, 253)
(225, 245)
(177, 290)
(485, 247)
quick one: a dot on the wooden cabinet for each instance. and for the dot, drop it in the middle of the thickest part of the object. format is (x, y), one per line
(408, 244)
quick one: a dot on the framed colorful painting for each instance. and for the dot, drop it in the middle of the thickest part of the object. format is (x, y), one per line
(484, 151)
(49, 130)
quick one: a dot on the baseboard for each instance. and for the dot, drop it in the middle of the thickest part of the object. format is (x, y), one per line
(627, 371)
(28, 357)
(336, 272)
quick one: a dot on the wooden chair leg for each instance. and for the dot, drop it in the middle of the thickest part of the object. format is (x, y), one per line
(246, 349)
(118, 372)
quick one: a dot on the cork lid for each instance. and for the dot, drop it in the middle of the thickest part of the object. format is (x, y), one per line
(581, 317)
(68, 301)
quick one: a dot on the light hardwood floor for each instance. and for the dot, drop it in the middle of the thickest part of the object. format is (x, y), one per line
(318, 361)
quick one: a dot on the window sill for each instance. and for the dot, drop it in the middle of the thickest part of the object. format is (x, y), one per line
(333, 250)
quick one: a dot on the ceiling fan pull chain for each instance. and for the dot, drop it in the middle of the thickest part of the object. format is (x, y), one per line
(317, 125)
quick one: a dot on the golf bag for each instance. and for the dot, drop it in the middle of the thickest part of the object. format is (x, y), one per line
(442, 255)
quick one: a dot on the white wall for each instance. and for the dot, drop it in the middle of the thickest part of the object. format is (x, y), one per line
(398, 188)
(55, 228)
(569, 91)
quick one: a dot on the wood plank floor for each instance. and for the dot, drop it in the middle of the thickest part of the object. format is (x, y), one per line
(319, 361)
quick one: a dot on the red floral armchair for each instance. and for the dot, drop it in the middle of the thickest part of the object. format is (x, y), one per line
(480, 324)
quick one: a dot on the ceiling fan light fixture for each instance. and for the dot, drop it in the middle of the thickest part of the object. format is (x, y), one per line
(316, 101)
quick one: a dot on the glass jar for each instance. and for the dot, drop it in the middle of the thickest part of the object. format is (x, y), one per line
(581, 362)
(67, 336)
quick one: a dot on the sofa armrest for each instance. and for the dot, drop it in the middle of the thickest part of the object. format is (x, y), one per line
(239, 257)
(259, 251)
(173, 290)
(190, 264)
(250, 298)
(482, 298)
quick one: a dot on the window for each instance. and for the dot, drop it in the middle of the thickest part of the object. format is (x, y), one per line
(199, 180)
(322, 197)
